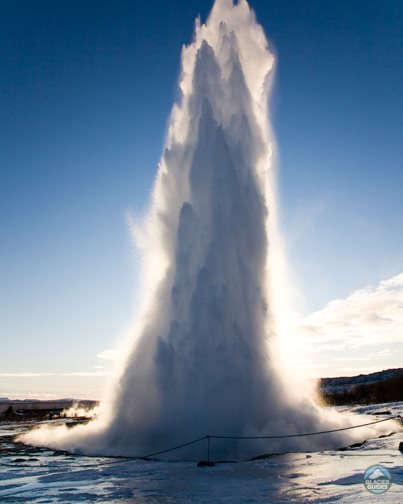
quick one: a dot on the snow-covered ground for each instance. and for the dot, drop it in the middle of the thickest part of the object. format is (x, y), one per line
(43, 476)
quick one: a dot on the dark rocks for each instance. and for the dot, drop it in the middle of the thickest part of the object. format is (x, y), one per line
(401, 446)
(265, 456)
(356, 445)
(205, 463)
(351, 447)
(386, 435)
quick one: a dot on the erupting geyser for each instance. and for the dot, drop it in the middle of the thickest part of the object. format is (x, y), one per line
(203, 360)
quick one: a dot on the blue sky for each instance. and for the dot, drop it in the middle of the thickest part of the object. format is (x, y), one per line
(85, 93)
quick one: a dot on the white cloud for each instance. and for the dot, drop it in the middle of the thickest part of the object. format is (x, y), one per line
(370, 315)
(87, 373)
(41, 375)
(364, 328)
(108, 355)
(25, 375)
(369, 356)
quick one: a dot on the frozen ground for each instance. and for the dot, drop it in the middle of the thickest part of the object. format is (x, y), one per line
(34, 475)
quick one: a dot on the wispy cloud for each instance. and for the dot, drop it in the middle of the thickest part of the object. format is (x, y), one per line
(98, 371)
(42, 375)
(108, 355)
(368, 357)
(26, 375)
(87, 373)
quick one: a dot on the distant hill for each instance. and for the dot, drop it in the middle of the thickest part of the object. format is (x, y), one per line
(380, 387)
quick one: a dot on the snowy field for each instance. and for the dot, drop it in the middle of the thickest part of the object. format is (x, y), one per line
(35, 475)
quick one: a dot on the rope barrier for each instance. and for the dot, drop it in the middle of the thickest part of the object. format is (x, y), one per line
(306, 433)
(174, 448)
(284, 436)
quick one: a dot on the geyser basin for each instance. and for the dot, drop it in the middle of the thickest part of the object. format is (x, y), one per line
(203, 360)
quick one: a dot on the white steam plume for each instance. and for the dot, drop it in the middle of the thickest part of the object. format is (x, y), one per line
(204, 359)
